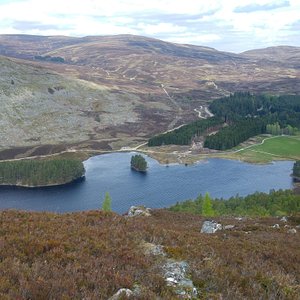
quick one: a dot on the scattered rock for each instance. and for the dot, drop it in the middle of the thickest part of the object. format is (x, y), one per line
(239, 218)
(153, 249)
(292, 231)
(210, 227)
(228, 227)
(284, 219)
(139, 211)
(176, 275)
(276, 226)
(121, 293)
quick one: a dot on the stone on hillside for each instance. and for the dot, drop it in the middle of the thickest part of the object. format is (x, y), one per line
(139, 211)
(228, 227)
(121, 293)
(284, 219)
(176, 276)
(276, 226)
(292, 231)
(210, 227)
(153, 249)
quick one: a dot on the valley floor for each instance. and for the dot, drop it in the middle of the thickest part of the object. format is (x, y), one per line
(260, 149)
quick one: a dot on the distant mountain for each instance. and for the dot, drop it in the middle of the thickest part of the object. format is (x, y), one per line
(119, 90)
(287, 56)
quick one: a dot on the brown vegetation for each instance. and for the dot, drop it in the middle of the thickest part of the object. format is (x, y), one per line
(92, 254)
(130, 87)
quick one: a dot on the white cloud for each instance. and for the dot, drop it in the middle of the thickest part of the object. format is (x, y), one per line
(197, 39)
(215, 23)
(90, 26)
(160, 28)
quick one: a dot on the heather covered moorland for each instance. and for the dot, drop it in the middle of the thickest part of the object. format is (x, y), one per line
(93, 254)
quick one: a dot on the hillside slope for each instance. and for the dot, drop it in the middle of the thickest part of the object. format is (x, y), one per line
(93, 254)
(136, 86)
(146, 61)
(42, 107)
(282, 55)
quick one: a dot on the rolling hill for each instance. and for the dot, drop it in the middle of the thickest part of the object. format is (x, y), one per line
(114, 91)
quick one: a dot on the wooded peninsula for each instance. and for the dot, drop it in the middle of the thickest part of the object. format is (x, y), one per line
(38, 173)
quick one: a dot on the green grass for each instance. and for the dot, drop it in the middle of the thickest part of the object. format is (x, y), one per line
(281, 147)
(274, 148)
(286, 146)
(252, 157)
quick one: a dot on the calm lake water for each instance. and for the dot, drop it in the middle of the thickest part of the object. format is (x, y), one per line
(161, 186)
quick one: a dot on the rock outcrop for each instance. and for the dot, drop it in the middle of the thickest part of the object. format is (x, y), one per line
(139, 211)
(176, 275)
(121, 293)
(226, 227)
(284, 219)
(210, 227)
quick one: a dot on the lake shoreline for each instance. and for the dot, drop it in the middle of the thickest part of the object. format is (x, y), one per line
(162, 187)
(165, 154)
(26, 186)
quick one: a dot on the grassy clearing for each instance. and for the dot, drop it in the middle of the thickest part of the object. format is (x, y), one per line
(282, 147)
(252, 157)
(285, 146)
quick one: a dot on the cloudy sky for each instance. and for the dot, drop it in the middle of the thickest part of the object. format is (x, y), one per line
(230, 25)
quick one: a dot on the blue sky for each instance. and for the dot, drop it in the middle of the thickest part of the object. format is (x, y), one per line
(229, 25)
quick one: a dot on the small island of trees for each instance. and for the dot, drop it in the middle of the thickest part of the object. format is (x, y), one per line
(37, 173)
(296, 170)
(138, 163)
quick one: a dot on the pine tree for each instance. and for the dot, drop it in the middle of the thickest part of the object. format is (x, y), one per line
(207, 209)
(106, 205)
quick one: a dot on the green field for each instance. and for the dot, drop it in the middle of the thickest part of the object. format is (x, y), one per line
(281, 147)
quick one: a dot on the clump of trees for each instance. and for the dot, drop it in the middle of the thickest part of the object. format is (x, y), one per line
(285, 109)
(138, 163)
(275, 129)
(296, 170)
(276, 203)
(248, 115)
(232, 135)
(237, 118)
(185, 134)
(40, 172)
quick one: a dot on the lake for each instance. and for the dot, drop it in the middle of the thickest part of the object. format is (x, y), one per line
(161, 186)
